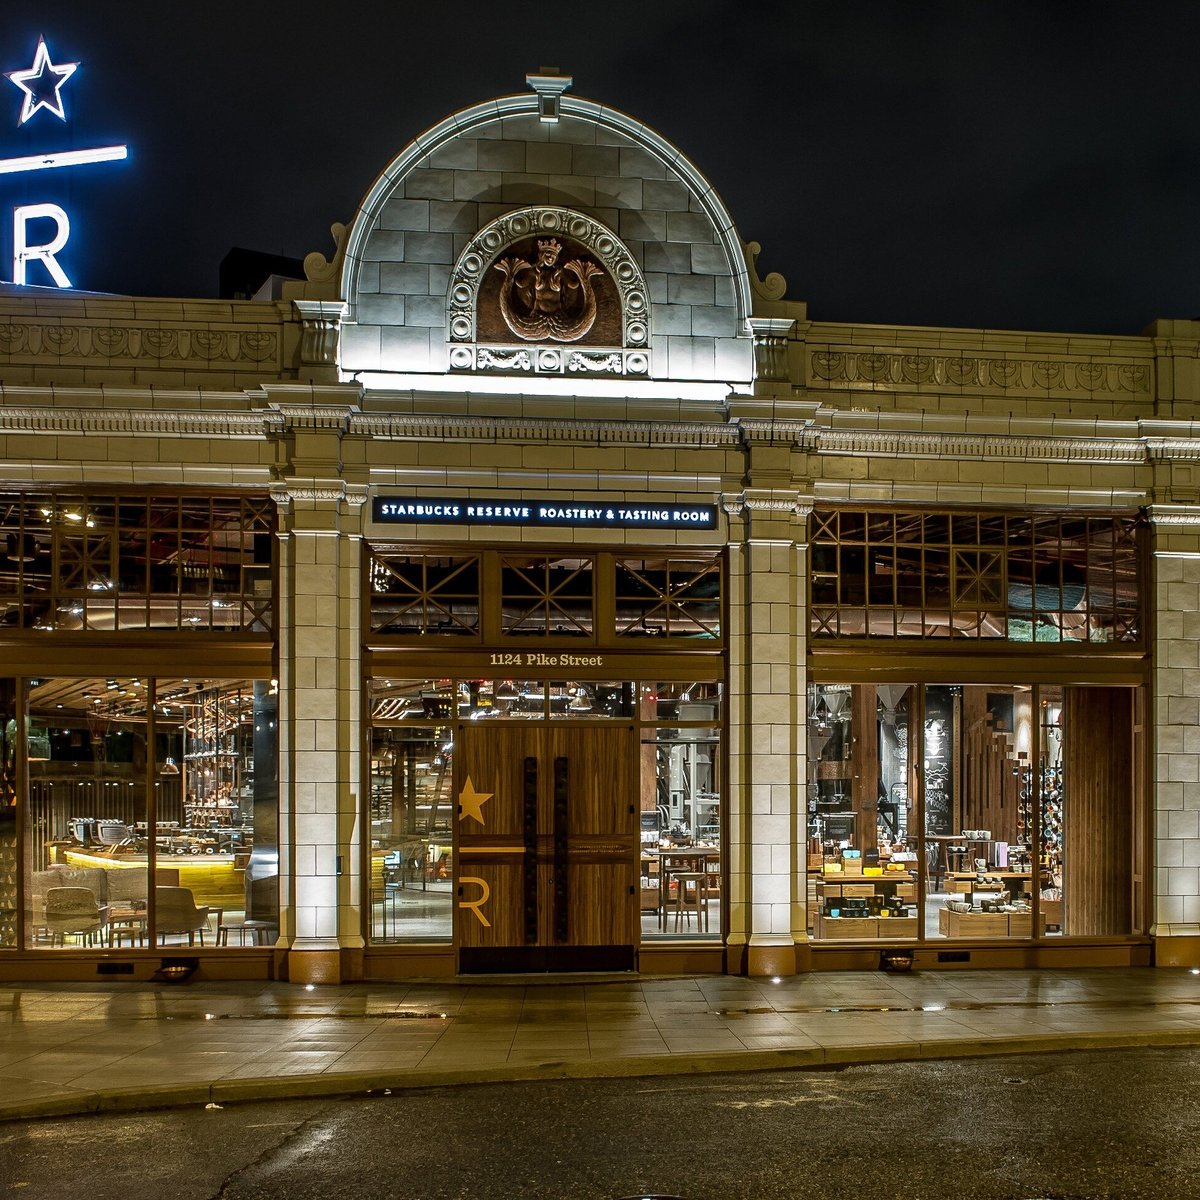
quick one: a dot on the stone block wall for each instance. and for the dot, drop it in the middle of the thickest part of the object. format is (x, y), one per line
(1176, 814)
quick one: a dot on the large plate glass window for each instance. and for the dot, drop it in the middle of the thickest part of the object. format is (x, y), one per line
(973, 811)
(863, 846)
(410, 857)
(133, 780)
(681, 810)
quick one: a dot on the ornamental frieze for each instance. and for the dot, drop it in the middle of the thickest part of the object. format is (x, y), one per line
(879, 369)
(529, 430)
(137, 422)
(27, 340)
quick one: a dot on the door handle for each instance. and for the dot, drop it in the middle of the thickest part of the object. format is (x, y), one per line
(529, 814)
(562, 780)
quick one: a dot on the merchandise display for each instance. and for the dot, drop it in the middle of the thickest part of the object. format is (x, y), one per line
(987, 847)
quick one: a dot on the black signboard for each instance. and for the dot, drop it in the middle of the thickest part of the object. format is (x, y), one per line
(568, 514)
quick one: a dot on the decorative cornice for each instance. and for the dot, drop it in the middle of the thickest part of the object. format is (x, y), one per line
(986, 446)
(184, 344)
(336, 417)
(533, 430)
(757, 429)
(138, 423)
(1174, 515)
(883, 370)
(1172, 449)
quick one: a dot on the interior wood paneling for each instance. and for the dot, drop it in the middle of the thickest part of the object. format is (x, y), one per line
(1098, 838)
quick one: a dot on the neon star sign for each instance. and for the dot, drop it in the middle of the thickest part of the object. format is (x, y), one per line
(41, 86)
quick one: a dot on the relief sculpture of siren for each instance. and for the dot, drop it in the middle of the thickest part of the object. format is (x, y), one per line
(545, 301)
(548, 291)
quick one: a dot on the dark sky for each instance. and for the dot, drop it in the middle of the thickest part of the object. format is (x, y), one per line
(1007, 164)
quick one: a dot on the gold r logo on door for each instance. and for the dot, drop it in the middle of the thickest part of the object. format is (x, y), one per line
(485, 894)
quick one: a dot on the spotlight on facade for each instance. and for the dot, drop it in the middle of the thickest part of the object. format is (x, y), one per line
(177, 970)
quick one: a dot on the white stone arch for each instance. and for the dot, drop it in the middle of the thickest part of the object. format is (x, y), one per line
(527, 104)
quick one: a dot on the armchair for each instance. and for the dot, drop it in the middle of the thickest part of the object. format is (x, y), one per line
(73, 911)
(176, 912)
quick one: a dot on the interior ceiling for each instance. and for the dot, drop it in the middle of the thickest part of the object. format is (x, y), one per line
(124, 697)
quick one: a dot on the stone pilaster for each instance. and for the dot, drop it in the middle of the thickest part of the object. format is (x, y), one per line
(1175, 598)
(767, 687)
(320, 683)
(319, 722)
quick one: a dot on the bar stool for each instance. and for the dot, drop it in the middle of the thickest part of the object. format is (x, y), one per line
(683, 906)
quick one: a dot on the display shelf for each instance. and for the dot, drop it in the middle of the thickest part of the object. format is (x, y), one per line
(987, 925)
(852, 928)
(218, 762)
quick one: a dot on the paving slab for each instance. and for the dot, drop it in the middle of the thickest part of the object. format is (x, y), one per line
(101, 1047)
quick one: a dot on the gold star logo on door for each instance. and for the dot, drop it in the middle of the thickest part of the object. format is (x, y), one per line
(471, 802)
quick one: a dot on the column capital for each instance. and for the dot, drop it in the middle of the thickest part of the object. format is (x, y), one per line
(767, 501)
(329, 491)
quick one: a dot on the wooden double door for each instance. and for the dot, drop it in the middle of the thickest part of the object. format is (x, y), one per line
(546, 851)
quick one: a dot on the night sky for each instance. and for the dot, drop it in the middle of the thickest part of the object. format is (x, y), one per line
(1008, 165)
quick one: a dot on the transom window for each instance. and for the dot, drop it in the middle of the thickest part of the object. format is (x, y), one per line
(667, 597)
(417, 593)
(1021, 577)
(111, 562)
(492, 595)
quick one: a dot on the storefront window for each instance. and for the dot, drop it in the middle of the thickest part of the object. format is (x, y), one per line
(863, 852)
(412, 804)
(681, 824)
(423, 594)
(1007, 810)
(668, 597)
(133, 777)
(86, 852)
(547, 596)
(216, 836)
(9, 738)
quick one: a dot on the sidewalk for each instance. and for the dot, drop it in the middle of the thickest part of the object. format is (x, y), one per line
(78, 1048)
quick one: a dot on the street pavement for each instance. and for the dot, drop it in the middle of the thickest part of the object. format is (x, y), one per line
(106, 1047)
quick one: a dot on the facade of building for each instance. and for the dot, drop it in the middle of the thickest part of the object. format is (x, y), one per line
(536, 587)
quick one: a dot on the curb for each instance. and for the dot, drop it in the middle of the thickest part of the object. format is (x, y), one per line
(372, 1083)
